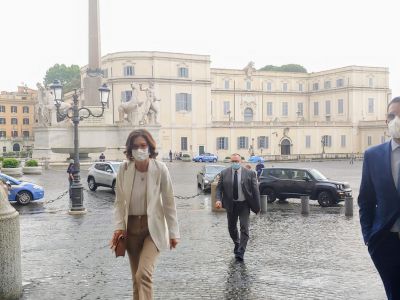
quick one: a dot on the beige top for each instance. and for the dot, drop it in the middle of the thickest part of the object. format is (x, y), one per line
(138, 204)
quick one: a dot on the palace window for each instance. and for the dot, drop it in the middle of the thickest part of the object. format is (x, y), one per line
(14, 109)
(328, 107)
(299, 109)
(327, 85)
(226, 84)
(25, 121)
(269, 108)
(129, 71)
(316, 108)
(183, 72)
(183, 102)
(308, 141)
(371, 82)
(2, 120)
(343, 141)
(248, 85)
(14, 133)
(285, 109)
(126, 96)
(371, 105)
(340, 106)
(25, 109)
(300, 87)
(284, 87)
(339, 82)
(222, 143)
(262, 142)
(269, 86)
(369, 138)
(243, 142)
(184, 143)
(2, 134)
(248, 114)
(2, 108)
(315, 86)
(14, 121)
(25, 134)
(226, 107)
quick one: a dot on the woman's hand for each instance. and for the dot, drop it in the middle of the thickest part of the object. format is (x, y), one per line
(173, 243)
(116, 235)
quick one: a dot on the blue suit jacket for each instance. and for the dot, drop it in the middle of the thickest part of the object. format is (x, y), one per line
(379, 200)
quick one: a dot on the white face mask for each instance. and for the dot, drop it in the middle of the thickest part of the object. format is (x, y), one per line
(394, 128)
(140, 154)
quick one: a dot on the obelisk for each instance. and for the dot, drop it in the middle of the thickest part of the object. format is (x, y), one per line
(92, 81)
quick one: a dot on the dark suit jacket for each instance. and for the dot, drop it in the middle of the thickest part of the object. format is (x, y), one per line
(379, 200)
(249, 186)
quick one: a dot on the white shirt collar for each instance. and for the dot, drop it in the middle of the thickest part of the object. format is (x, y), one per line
(394, 145)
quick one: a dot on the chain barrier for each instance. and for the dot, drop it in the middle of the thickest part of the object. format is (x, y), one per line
(188, 197)
(55, 199)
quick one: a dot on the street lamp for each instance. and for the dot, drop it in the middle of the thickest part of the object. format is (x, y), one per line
(73, 113)
(323, 143)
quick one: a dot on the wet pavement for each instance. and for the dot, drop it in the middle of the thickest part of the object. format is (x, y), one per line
(289, 256)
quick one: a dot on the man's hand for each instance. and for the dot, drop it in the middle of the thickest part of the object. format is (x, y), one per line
(218, 204)
(173, 243)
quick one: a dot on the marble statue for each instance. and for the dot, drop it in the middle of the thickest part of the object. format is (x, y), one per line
(130, 108)
(150, 109)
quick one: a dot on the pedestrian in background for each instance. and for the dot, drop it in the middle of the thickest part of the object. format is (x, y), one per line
(259, 168)
(238, 199)
(170, 155)
(144, 210)
(379, 202)
(102, 157)
(70, 171)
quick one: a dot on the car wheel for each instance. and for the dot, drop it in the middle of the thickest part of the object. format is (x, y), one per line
(24, 197)
(214, 160)
(203, 187)
(325, 199)
(200, 160)
(270, 193)
(92, 184)
(113, 187)
(282, 199)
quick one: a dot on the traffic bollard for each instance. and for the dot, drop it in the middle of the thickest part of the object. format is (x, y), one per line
(305, 205)
(264, 203)
(348, 206)
(10, 250)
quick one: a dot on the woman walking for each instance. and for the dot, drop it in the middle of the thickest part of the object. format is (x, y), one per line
(144, 210)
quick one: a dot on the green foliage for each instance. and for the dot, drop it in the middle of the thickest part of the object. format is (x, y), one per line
(22, 154)
(185, 155)
(70, 77)
(31, 163)
(227, 157)
(1, 158)
(285, 68)
(10, 163)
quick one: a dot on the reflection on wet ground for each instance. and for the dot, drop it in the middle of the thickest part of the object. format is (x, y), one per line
(289, 256)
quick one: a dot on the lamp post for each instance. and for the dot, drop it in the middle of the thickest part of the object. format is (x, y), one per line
(73, 113)
(323, 143)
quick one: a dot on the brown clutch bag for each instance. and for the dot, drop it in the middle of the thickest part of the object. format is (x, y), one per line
(120, 246)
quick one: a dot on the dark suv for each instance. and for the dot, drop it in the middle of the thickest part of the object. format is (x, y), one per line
(285, 183)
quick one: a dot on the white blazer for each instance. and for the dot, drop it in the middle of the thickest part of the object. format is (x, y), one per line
(161, 211)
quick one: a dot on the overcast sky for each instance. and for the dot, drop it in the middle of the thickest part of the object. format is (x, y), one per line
(314, 33)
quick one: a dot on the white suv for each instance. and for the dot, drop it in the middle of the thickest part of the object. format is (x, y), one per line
(103, 174)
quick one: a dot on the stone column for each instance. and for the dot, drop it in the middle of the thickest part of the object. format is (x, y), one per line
(10, 250)
(92, 81)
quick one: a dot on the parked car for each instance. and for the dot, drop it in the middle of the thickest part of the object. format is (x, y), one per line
(103, 174)
(22, 191)
(255, 159)
(207, 174)
(285, 183)
(205, 157)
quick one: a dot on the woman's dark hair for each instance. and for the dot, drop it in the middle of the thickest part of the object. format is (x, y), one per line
(149, 140)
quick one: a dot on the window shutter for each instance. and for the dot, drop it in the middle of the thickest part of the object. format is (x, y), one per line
(246, 142)
(189, 102)
(226, 143)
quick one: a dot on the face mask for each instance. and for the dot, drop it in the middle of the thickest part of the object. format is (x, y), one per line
(140, 154)
(394, 128)
(235, 165)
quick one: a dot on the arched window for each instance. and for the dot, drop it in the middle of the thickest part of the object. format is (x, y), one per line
(248, 114)
(16, 147)
(285, 147)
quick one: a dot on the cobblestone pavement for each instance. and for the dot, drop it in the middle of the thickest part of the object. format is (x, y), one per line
(290, 256)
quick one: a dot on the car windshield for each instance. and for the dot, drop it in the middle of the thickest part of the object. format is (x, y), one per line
(317, 174)
(6, 178)
(116, 167)
(214, 169)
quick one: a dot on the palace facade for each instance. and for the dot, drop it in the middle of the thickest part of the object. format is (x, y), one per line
(204, 109)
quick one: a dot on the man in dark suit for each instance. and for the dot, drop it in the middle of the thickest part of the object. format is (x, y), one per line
(379, 202)
(237, 191)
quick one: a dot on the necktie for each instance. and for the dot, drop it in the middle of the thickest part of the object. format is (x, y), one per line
(235, 186)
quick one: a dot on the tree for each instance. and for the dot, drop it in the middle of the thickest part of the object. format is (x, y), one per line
(70, 77)
(285, 68)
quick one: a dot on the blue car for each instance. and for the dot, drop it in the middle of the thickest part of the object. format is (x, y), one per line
(255, 159)
(205, 157)
(21, 191)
